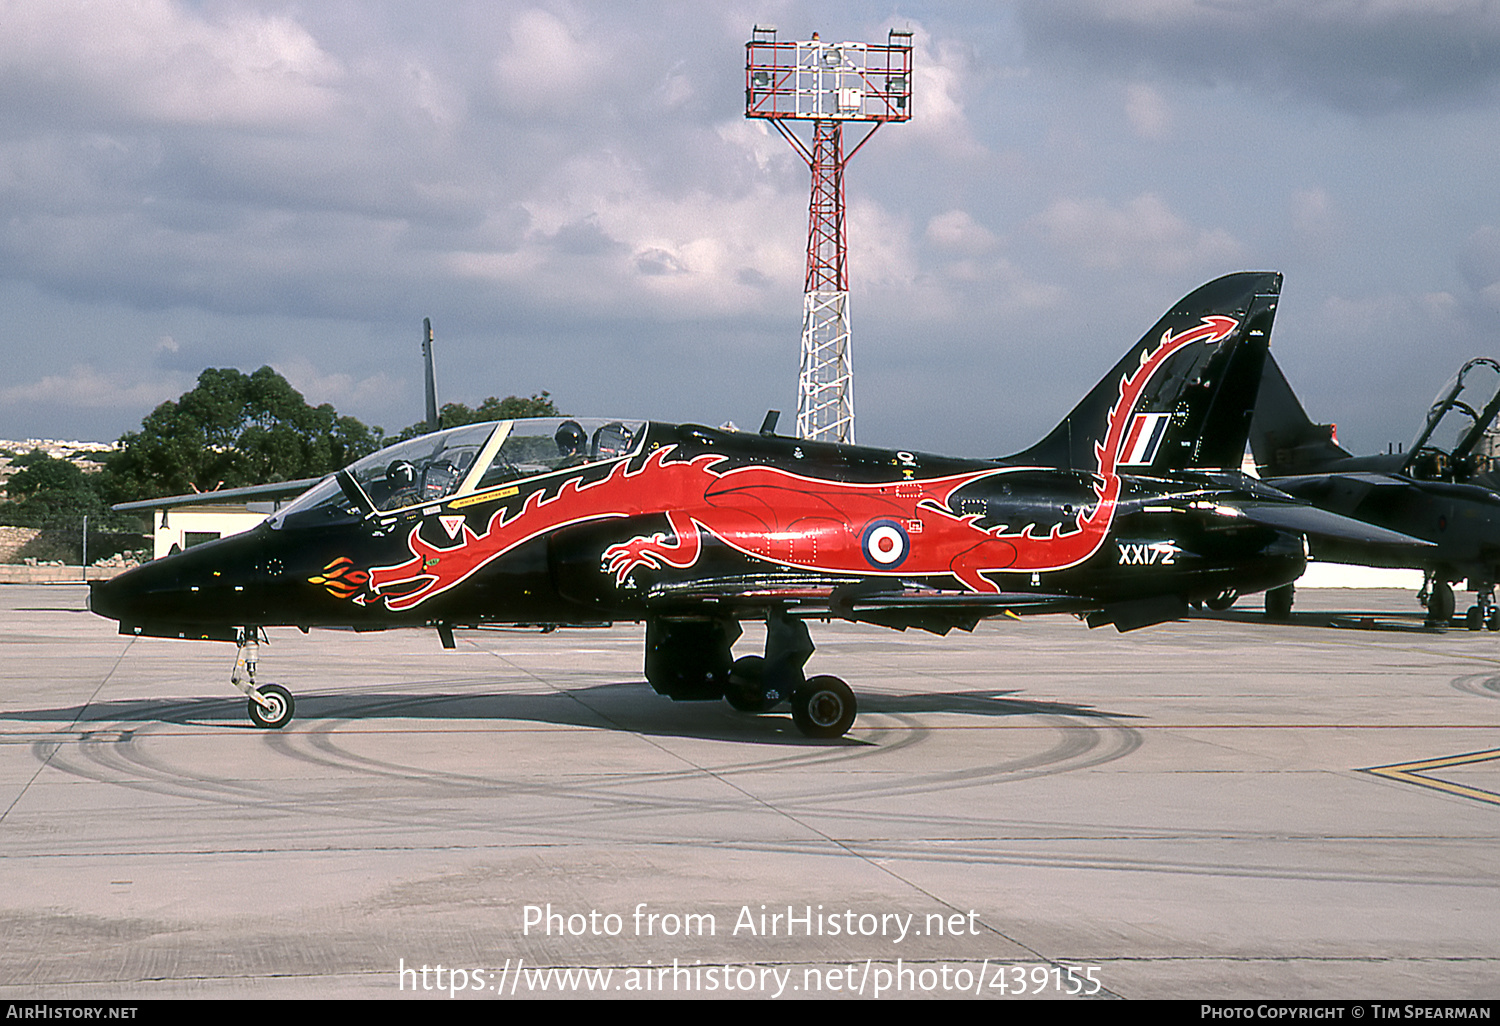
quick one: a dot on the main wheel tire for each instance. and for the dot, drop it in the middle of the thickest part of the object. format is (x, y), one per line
(1440, 605)
(279, 714)
(1279, 603)
(747, 686)
(1492, 618)
(824, 707)
(1474, 618)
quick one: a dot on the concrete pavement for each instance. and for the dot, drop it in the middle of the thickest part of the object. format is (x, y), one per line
(1218, 808)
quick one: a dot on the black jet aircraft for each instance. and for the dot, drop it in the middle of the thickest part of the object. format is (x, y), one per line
(1130, 509)
(1441, 489)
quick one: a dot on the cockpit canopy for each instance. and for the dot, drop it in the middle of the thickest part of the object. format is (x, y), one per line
(1449, 445)
(462, 461)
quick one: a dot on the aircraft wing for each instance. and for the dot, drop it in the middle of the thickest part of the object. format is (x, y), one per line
(1321, 523)
(887, 603)
(276, 490)
(1368, 480)
(1345, 491)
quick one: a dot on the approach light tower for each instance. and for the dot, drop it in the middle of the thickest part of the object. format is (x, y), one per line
(827, 84)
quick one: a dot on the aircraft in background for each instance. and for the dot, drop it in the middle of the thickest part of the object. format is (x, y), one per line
(1133, 507)
(1441, 489)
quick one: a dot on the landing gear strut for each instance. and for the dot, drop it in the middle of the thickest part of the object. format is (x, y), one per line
(271, 705)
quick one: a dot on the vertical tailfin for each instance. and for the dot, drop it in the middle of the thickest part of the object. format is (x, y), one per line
(1194, 410)
(1283, 438)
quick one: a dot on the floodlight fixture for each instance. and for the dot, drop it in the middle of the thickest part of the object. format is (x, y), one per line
(827, 84)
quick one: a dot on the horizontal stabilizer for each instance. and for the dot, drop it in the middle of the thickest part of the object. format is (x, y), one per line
(1323, 524)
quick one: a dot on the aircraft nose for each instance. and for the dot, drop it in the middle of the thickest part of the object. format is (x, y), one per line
(104, 598)
(116, 597)
(203, 588)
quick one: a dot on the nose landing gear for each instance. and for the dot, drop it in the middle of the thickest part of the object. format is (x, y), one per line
(271, 705)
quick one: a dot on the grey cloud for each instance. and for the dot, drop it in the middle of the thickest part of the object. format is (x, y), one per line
(1479, 259)
(584, 238)
(656, 261)
(626, 240)
(1356, 55)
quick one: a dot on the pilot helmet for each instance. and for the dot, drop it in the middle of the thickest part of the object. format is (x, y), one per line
(570, 438)
(401, 474)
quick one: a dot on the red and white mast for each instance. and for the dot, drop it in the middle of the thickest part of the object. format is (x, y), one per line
(828, 84)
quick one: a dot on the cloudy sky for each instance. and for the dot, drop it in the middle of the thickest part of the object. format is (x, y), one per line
(571, 192)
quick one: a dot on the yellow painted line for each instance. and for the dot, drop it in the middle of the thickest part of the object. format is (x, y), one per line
(1411, 773)
(1489, 660)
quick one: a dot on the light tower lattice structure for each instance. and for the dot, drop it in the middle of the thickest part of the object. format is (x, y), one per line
(827, 84)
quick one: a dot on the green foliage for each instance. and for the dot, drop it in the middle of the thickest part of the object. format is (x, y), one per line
(51, 493)
(40, 472)
(510, 408)
(232, 430)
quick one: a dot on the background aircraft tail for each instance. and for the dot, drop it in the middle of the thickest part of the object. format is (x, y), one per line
(1194, 412)
(1283, 438)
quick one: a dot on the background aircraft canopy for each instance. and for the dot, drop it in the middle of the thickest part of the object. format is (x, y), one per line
(1456, 422)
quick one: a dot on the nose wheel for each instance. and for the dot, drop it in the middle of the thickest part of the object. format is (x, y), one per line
(1279, 602)
(277, 710)
(271, 705)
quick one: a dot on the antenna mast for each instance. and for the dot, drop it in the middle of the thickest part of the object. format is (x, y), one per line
(433, 421)
(828, 84)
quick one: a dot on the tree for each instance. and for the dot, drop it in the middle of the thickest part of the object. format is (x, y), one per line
(509, 408)
(232, 430)
(56, 494)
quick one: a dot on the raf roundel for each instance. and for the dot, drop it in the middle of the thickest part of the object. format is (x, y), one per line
(886, 544)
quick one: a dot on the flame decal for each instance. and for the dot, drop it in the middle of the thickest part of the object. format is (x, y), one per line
(341, 579)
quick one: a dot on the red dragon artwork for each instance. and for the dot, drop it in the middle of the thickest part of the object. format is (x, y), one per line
(897, 527)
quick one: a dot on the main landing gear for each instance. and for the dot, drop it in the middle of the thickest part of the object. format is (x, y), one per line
(1279, 602)
(271, 705)
(1484, 613)
(689, 660)
(1437, 596)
